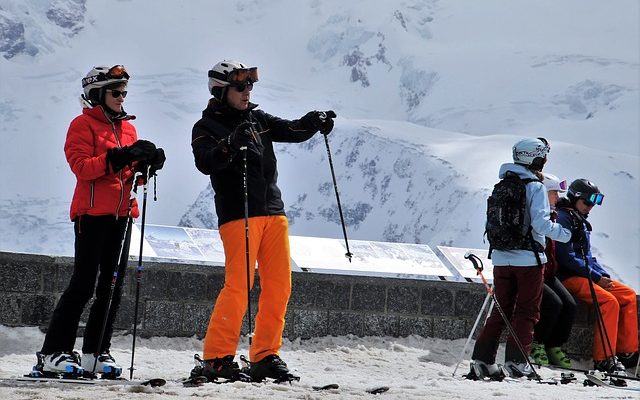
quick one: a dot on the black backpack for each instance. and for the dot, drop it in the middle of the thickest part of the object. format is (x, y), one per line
(506, 208)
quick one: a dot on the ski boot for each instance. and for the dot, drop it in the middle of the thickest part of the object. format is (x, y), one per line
(218, 368)
(611, 365)
(558, 358)
(629, 360)
(58, 364)
(520, 369)
(105, 365)
(539, 354)
(272, 367)
(479, 370)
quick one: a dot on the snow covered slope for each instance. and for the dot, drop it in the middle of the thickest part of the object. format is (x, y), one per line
(430, 96)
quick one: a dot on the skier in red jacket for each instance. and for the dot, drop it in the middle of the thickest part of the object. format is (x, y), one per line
(103, 151)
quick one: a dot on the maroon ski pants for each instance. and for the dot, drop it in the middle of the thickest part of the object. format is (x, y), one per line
(518, 290)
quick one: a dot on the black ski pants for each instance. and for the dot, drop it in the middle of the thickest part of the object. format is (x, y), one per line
(97, 247)
(557, 313)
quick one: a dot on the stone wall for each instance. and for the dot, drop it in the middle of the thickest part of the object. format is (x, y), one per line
(176, 300)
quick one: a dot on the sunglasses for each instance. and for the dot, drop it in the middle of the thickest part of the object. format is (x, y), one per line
(117, 93)
(241, 86)
(594, 199)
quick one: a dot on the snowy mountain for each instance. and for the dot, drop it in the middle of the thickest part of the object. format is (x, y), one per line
(430, 97)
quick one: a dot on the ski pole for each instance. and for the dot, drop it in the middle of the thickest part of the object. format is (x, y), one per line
(348, 254)
(474, 260)
(139, 267)
(246, 236)
(473, 329)
(119, 263)
(602, 328)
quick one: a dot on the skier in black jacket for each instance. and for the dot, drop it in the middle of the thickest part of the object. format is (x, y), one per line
(231, 125)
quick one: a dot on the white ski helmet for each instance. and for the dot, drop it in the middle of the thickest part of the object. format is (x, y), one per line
(552, 182)
(226, 72)
(102, 76)
(531, 152)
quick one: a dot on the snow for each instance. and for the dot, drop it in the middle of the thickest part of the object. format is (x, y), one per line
(413, 368)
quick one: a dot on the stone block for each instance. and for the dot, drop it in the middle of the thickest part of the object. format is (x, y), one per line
(447, 328)
(310, 323)
(408, 326)
(380, 325)
(196, 318)
(436, 301)
(20, 278)
(10, 310)
(345, 323)
(36, 309)
(403, 300)
(333, 295)
(580, 342)
(303, 292)
(468, 303)
(368, 297)
(215, 283)
(163, 318)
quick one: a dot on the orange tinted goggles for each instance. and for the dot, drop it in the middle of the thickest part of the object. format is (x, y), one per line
(240, 75)
(117, 72)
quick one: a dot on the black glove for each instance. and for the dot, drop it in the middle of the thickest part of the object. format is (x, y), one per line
(157, 161)
(141, 150)
(318, 121)
(242, 136)
(577, 231)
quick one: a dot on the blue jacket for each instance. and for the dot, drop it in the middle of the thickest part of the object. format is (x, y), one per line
(570, 255)
(538, 215)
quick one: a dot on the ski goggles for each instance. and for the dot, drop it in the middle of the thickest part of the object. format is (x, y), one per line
(594, 199)
(239, 75)
(115, 72)
(563, 185)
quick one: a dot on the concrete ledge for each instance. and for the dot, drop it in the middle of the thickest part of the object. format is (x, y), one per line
(177, 299)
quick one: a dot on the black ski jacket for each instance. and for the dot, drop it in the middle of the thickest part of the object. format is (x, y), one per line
(214, 157)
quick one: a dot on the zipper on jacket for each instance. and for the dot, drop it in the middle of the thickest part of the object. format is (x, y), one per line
(120, 179)
(92, 194)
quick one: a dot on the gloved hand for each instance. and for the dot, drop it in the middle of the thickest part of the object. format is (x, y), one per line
(141, 150)
(576, 236)
(157, 161)
(577, 231)
(319, 121)
(242, 136)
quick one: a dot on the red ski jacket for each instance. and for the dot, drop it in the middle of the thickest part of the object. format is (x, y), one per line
(99, 190)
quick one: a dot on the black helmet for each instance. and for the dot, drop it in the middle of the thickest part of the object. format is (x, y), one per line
(585, 190)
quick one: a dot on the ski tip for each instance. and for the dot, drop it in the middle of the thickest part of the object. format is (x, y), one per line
(378, 390)
(155, 382)
(326, 387)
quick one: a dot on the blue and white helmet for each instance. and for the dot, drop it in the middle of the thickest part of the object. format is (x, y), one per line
(531, 152)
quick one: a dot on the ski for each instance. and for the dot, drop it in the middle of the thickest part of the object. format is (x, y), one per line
(155, 382)
(599, 380)
(591, 371)
(194, 381)
(326, 387)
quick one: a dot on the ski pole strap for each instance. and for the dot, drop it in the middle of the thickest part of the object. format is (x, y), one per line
(534, 247)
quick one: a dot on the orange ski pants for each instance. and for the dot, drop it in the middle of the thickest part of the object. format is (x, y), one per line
(619, 313)
(269, 246)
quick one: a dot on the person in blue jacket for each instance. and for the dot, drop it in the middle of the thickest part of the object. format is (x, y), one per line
(517, 275)
(617, 302)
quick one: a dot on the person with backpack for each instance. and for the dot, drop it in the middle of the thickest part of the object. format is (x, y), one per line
(558, 307)
(103, 152)
(233, 144)
(615, 343)
(518, 219)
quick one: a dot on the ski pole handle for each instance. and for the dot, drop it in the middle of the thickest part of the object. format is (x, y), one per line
(474, 260)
